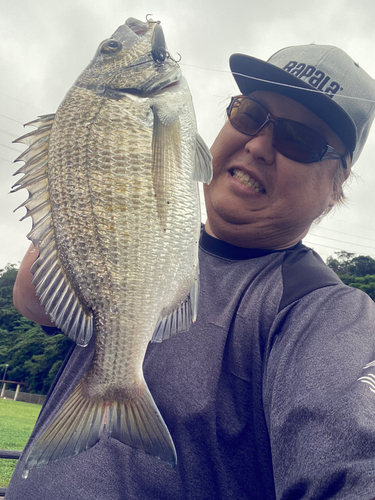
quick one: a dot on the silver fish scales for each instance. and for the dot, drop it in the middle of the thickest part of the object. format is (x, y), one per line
(115, 208)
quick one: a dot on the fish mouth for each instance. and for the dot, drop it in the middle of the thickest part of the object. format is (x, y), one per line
(168, 78)
(246, 180)
(172, 79)
(145, 90)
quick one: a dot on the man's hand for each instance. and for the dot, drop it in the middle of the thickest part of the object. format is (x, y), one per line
(24, 297)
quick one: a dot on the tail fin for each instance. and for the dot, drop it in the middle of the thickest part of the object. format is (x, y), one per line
(81, 421)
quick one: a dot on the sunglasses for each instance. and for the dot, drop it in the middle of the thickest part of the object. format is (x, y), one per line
(292, 139)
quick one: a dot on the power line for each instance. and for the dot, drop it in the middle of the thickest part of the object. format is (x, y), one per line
(341, 232)
(22, 102)
(335, 248)
(339, 249)
(4, 159)
(8, 133)
(272, 82)
(319, 244)
(12, 119)
(9, 147)
(358, 226)
(345, 242)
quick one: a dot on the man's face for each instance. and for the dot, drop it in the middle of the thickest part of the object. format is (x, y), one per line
(259, 198)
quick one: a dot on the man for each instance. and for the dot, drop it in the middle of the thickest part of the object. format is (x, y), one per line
(271, 392)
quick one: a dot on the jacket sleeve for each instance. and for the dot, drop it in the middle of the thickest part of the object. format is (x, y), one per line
(319, 396)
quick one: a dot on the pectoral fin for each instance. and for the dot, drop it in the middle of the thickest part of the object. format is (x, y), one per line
(203, 162)
(166, 156)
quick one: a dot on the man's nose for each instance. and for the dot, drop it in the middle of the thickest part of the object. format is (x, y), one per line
(260, 146)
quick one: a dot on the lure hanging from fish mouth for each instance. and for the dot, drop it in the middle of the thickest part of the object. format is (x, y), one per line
(159, 50)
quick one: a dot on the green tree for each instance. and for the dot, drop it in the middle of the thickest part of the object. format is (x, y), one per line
(356, 271)
(362, 265)
(341, 263)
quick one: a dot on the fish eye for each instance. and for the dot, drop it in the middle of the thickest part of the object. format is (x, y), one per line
(111, 46)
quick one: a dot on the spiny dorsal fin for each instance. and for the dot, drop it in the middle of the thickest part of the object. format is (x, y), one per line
(52, 286)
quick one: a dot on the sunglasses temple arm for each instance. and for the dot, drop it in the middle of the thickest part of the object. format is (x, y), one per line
(333, 154)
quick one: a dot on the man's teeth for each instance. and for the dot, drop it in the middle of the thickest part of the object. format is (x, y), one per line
(247, 181)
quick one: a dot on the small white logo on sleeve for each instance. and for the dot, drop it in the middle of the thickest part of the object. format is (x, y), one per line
(369, 378)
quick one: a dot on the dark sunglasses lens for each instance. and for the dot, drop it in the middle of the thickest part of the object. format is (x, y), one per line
(246, 115)
(292, 139)
(298, 142)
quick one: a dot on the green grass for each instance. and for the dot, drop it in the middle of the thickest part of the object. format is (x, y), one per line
(17, 420)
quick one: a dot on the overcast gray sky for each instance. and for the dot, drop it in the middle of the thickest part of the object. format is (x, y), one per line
(45, 44)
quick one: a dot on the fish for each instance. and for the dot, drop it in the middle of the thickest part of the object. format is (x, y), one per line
(112, 180)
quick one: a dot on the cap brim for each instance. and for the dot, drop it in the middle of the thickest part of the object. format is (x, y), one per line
(266, 76)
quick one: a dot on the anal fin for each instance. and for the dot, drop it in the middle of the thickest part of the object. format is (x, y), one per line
(180, 319)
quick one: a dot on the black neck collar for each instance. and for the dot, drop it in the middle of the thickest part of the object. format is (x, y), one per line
(221, 248)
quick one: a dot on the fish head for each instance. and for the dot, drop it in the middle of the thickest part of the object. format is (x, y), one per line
(134, 60)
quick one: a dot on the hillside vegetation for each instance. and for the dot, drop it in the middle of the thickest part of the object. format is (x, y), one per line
(32, 356)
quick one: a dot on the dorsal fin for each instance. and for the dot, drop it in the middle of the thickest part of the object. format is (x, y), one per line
(53, 288)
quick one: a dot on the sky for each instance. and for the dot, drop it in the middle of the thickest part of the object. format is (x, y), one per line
(46, 44)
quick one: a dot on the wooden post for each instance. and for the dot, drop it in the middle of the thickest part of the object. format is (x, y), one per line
(3, 390)
(17, 391)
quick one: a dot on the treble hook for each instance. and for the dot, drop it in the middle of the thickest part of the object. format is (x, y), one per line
(174, 60)
(150, 20)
